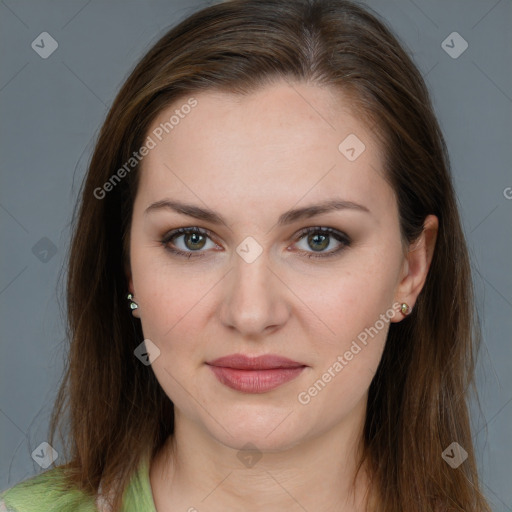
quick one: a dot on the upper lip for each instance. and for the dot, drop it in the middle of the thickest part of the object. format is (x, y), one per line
(264, 362)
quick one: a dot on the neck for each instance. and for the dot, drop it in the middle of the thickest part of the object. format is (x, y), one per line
(195, 472)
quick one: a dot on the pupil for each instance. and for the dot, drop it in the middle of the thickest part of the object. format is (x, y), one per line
(322, 238)
(196, 240)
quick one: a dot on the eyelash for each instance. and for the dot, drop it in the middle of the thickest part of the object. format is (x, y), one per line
(338, 235)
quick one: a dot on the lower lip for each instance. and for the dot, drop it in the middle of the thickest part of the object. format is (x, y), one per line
(255, 381)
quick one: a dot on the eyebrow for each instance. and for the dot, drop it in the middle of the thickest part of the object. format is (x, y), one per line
(288, 217)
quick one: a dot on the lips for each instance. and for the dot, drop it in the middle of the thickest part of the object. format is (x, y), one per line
(255, 374)
(265, 362)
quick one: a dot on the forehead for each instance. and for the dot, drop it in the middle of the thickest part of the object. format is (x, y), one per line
(278, 144)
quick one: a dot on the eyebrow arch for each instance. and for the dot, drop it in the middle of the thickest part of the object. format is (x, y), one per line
(288, 217)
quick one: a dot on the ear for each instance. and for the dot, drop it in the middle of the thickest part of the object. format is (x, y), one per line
(129, 280)
(416, 264)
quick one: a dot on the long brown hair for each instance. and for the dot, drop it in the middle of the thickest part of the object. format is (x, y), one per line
(116, 410)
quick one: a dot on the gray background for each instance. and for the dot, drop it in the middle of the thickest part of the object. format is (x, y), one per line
(51, 110)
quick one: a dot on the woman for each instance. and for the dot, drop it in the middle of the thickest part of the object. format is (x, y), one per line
(269, 293)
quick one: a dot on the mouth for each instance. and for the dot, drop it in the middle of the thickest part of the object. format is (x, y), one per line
(255, 374)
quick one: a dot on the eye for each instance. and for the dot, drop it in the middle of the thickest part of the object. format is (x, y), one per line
(193, 240)
(190, 242)
(320, 238)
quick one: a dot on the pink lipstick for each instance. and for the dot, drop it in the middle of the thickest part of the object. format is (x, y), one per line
(255, 374)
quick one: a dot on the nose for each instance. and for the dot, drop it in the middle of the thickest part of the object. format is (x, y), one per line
(254, 301)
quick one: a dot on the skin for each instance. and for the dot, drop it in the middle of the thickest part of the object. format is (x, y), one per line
(250, 159)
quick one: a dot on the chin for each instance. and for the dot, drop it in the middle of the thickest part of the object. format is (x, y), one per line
(265, 428)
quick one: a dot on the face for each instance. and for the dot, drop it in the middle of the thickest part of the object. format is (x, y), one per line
(246, 277)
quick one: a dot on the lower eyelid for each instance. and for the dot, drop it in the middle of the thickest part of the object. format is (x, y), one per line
(344, 244)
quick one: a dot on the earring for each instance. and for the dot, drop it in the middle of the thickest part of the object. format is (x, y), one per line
(405, 309)
(133, 305)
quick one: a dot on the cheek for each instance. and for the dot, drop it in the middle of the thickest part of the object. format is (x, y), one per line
(356, 307)
(347, 362)
(173, 308)
(342, 383)
(169, 296)
(172, 316)
(343, 301)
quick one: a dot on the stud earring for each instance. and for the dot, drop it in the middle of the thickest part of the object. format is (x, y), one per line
(405, 309)
(133, 304)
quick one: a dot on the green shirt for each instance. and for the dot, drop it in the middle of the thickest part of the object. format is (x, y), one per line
(46, 492)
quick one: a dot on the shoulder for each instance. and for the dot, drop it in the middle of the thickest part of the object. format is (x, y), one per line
(45, 491)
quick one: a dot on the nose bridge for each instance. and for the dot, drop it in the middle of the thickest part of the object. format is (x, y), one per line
(252, 301)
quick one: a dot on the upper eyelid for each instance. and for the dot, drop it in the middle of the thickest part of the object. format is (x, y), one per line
(321, 229)
(175, 233)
